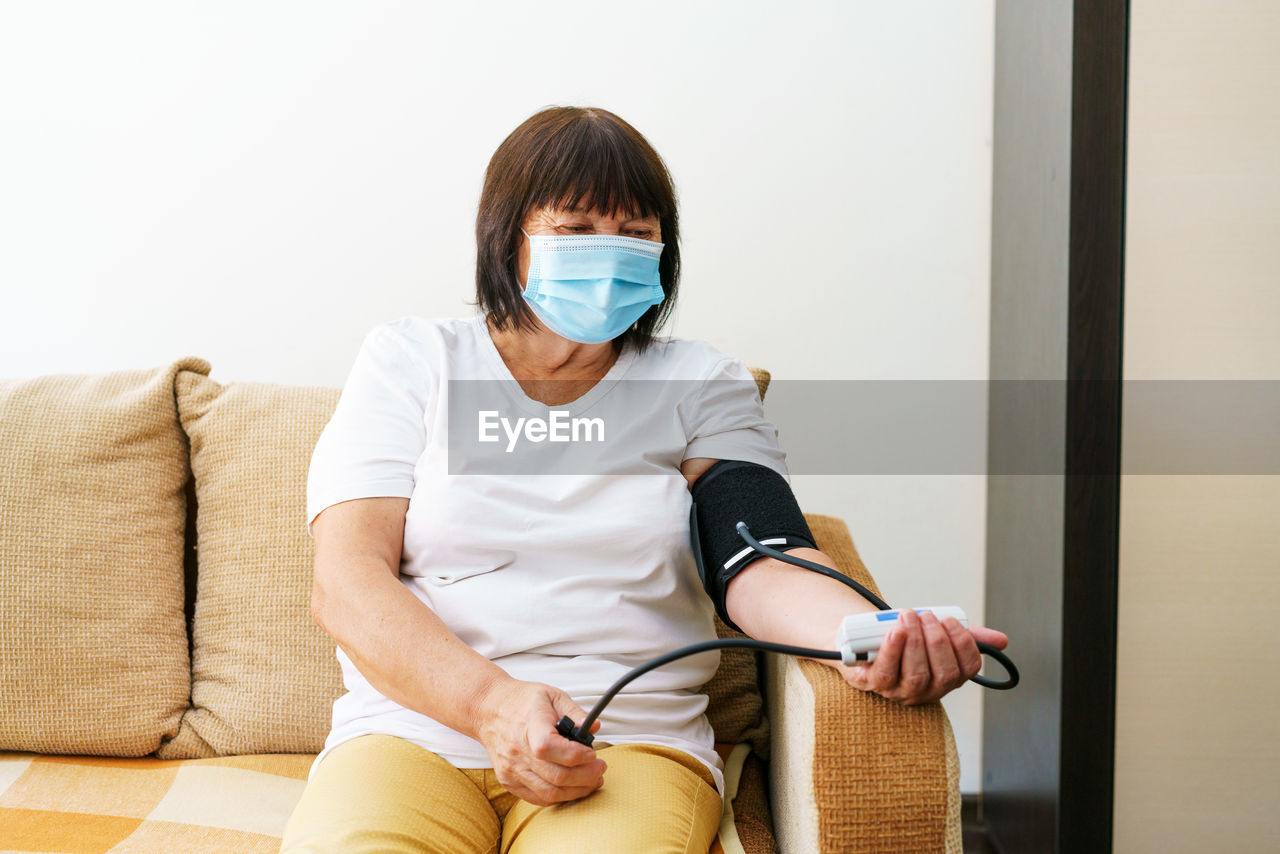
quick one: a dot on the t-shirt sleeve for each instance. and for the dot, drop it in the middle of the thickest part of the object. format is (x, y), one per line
(724, 419)
(371, 445)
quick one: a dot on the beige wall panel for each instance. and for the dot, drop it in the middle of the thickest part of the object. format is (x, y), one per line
(1198, 699)
(1202, 281)
(1198, 695)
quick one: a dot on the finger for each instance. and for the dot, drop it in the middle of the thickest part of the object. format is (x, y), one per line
(982, 634)
(882, 674)
(566, 782)
(547, 745)
(914, 673)
(544, 782)
(542, 794)
(548, 781)
(563, 704)
(944, 670)
(966, 649)
(559, 796)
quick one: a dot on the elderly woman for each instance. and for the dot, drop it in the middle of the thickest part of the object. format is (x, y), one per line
(473, 609)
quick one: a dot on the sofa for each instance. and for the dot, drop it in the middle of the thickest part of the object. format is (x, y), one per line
(163, 687)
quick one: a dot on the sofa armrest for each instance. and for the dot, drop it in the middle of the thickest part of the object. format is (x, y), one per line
(851, 771)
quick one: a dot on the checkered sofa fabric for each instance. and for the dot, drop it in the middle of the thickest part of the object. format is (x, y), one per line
(240, 804)
(94, 805)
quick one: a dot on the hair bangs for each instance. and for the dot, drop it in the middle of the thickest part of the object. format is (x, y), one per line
(596, 167)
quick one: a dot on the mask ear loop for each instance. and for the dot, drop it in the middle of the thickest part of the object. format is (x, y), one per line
(534, 266)
(528, 237)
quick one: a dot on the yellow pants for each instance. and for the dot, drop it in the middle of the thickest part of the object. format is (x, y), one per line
(378, 793)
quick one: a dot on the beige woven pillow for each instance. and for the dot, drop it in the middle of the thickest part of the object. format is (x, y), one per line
(264, 676)
(93, 638)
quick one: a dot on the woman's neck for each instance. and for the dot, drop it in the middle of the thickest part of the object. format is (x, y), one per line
(551, 369)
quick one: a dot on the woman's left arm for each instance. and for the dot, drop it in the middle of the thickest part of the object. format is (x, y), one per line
(918, 662)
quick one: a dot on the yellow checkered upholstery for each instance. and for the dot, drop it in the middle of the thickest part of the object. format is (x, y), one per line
(93, 805)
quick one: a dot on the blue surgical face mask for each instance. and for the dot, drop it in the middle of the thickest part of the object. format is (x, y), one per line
(590, 288)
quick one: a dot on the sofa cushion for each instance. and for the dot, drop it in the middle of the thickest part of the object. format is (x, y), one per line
(264, 676)
(92, 515)
(735, 708)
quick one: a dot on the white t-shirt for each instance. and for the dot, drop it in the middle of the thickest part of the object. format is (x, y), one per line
(570, 578)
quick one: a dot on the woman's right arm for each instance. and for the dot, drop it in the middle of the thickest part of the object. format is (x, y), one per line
(410, 655)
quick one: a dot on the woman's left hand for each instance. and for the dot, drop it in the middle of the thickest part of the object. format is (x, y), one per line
(923, 659)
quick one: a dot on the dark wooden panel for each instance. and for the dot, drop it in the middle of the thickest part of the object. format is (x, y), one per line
(1094, 351)
(1057, 312)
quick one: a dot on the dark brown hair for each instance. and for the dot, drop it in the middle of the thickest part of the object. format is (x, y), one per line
(571, 157)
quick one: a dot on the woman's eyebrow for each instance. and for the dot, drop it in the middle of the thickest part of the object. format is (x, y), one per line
(578, 210)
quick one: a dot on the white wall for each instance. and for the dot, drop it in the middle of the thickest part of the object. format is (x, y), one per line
(260, 183)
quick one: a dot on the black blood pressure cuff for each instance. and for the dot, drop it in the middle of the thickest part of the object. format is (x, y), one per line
(734, 491)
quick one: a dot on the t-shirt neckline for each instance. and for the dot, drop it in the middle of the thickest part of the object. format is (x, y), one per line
(593, 395)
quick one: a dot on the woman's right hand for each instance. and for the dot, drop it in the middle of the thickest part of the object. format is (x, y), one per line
(517, 726)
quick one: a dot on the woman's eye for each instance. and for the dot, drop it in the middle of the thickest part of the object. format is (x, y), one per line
(642, 233)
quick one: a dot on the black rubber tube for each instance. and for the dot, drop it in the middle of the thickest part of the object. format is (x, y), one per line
(583, 734)
(984, 648)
